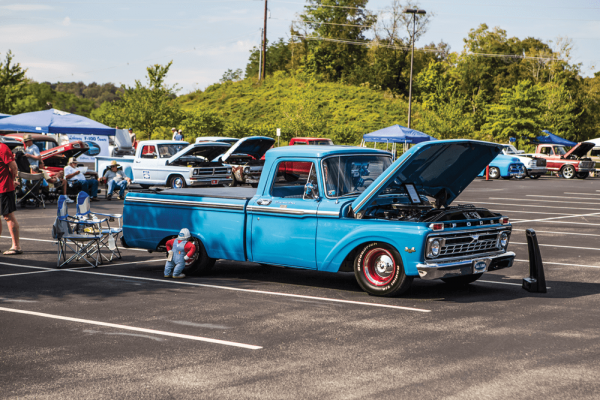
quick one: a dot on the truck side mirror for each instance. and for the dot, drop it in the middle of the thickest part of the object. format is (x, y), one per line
(310, 192)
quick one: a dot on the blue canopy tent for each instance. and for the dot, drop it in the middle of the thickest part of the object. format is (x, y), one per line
(550, 138)
(396, 134)
(4, 115)
(54, 121)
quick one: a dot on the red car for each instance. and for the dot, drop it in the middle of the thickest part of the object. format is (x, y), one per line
(311, 141)
(56, 158)
(43, 142)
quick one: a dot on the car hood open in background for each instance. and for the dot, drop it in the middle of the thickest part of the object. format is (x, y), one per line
(208, 150)
(580, 150)
(440, 169)
(256, 146)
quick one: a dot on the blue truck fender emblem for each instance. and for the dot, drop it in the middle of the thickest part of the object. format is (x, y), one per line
(411, 250)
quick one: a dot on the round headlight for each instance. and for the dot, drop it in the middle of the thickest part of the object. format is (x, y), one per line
(435, 248)
(246, 169)
(504, 239)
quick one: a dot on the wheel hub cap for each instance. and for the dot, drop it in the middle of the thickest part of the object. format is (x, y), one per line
(379, 267)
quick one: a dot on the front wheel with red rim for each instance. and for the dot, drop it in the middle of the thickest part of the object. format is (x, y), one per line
(379, 270)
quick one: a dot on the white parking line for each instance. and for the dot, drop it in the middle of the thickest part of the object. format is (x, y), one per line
(525, 205)
(560, 233)
(532, 212)
(565, 197)
(587, 194)
(500, 283)
(298, 296)
(542, 201)
(555, 245)
(554, 218)
(558, 263)
(133, 328)
(29, 273)
(54, 241)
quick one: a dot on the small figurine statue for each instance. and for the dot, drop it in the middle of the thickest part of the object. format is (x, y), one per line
(180, 249)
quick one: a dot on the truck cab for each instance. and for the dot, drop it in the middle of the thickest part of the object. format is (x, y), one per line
(309, 141)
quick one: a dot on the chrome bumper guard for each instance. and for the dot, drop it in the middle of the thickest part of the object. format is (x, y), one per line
(466, 267)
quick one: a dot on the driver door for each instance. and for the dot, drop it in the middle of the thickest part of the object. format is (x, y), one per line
(144, 168)
(284, 219)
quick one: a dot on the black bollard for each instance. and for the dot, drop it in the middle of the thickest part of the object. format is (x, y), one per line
(536, 283)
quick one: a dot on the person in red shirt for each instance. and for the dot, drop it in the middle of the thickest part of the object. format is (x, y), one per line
(8, 203)
(180, 250)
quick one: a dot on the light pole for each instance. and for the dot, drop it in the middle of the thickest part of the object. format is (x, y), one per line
(414, 12)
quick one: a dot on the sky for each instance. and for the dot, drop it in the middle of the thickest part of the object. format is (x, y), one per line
(115, 40)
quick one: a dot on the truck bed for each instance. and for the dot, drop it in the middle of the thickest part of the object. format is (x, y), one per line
(238, 193)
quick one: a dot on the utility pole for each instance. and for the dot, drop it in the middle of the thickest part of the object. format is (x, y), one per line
(414, 12)
(260, 57)
(264, 44)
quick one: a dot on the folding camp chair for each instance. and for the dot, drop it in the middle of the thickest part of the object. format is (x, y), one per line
(84, 246)
(110, 235)
(30, 190)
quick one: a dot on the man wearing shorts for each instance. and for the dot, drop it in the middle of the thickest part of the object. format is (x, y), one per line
(8, 203)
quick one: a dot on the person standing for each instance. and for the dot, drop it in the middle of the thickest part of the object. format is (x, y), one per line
(178, 135)
(32, 152)
(133, 138)
(174, 132)
(72, 174)
(8, 202)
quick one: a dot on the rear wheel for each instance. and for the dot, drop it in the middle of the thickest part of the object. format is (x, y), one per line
(494, 173)
(462, 280)
(200, 263)
(177, 182)
(582, 175)
(536, 176)
(379, 270)
(568, 172)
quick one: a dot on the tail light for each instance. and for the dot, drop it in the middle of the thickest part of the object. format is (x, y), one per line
(438, 226)
(504, 220)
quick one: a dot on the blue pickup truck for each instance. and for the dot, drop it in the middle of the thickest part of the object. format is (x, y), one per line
(339, 208)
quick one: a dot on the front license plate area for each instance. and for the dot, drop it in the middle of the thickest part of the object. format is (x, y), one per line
(479, 266)
(214, 182)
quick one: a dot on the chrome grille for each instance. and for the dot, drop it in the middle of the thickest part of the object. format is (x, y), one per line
(471, 243)
(514, 169)
(212, 171)
(586, 164)
(540, 162)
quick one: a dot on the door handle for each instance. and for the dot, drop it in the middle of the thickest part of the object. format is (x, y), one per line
(263, 202)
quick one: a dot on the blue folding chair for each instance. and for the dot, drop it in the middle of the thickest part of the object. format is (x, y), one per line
(110, 235)
(84, 245)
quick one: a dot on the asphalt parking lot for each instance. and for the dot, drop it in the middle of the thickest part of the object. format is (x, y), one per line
(249, 331)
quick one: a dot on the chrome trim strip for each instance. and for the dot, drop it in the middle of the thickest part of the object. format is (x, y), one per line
(328, 213)
(274, 210)
(448, 270)
(436, 261)
(197, 204)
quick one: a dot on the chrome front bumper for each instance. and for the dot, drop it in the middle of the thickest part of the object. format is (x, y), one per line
(537, 170)
(474, 265)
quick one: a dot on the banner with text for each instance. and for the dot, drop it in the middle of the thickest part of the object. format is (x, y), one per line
(98, 146)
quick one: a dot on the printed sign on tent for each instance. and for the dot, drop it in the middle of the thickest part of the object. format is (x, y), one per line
(98, 146)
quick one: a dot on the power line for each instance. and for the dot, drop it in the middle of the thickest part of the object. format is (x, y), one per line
(426, 50)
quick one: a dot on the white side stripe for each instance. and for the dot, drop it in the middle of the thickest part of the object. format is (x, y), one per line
(133, 328)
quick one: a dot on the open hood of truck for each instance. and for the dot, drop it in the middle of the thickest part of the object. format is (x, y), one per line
(256, 146)
(580, 150)
(208, 150)
(439, 169)
(73, 149)
(122, 139)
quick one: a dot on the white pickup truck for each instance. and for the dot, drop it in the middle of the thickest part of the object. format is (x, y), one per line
(535, 166)
(172, 163)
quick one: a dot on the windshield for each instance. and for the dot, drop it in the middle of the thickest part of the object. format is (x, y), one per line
(320, 142)
(169, 150)
(560, 150)
(510, 150)
(351, 175)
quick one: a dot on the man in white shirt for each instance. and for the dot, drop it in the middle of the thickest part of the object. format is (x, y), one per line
(174, 131)
(72, 174)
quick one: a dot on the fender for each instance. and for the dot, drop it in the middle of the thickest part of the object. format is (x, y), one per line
(390, 235)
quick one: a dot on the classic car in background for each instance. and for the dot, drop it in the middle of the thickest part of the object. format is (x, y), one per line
(244, 158)
(535, 166)
(55, 159)
(224, 139)
(311, 141)
(354, 210)
(43, 142)
(570, 164)
(506, 167)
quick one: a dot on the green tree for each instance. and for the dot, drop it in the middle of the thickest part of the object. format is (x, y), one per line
(279, 56)
(231, 76)
(518, 113)
(12, 80)
(150, 109)
(202, 122)
(346, 21)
